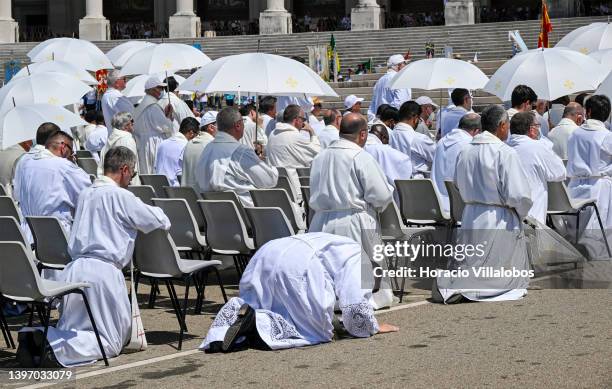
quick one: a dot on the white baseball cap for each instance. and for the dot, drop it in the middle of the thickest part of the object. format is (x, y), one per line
(423, 100)
(395, 60)
(154, 81)
(208, 118)
(352, 100)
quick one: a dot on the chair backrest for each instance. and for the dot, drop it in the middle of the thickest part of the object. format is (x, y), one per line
(9, 208)
(303, 171)
(284, 183)
(143, 192)
(282, 172)
(231, 196)
(390, 222)
(419, 203)
(183, 227)
(84, 154)
(157, 181)
(51, 240)
(155, 253)
(304, 181)
(455, 200)
(88, 164)
(275, 198)
(558, 197)
(10, 230)
(268, 223)
(192, 197)
(225, 229)
(19, 279)
(306, 198)
(3, 191)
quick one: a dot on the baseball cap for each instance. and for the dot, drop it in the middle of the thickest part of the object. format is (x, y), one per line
(154, 81)
(395, 60)
(208, 118)
(425, 100)
(352, 100)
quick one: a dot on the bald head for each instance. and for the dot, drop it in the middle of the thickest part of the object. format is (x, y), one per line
(354, 127)
(574, 112)
(470, 123)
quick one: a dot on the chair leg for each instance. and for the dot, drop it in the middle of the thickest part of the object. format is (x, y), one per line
(184, 314)
(235, 257)
(220, 284)
(6, 331)
(31, 319)
(45, 324)
(577, 225)
(136, 281)
(177, 305)
(603, 231)
(152, 295)
(199, 286)
(95, 328)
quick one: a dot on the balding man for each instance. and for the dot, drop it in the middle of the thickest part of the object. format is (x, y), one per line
(573, 116)
(348, 188)
(113, 101)
(329, 134)
(447, 152)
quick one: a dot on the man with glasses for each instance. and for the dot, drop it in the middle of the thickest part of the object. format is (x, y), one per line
(113, 101)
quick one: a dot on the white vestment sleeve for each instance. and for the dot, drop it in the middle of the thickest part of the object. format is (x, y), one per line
(262, 175)
(144, 217)
(376, 192)
(555, 169)
(514, 190)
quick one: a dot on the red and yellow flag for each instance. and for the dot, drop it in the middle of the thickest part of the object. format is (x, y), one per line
(545, 28)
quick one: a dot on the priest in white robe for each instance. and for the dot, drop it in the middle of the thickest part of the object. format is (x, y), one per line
(194, 148)
(573, 116)
(330, 133)
(152, 124)
(113, 101)
(496, 191)
(249, 116)
(447, 152)
(123, 127)
(462, 104)
(97, 138)
(180, 109)
(169, 159)
(293, 301)
(267, 109)
(382, 94)
(8, 160)
(226, 164)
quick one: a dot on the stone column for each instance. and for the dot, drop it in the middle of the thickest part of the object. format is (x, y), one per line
(9, 29)
(458, 12)
(94, 26)
(184, 23)
(275, 19)
(366, 15)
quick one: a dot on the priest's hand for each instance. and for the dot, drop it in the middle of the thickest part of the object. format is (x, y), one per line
(168, 111)
(308, 129)
(384, 328)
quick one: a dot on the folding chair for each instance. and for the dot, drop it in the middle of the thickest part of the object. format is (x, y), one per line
(284, 183)
(231, 196)
(303, 171)
(157, 181)
(84, 154)
(268, 223)
(89, 165)
(20, 282)
(183, 227)
(143, 192)
(304, 181)
(191, 196)
(456, 202)
(9, 208)
(306, 199)
(419, 203)
(157, 258)
(10, 231)
(277, 198)
(51, 241)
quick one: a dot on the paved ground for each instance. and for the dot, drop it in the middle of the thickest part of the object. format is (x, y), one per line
(552, 338)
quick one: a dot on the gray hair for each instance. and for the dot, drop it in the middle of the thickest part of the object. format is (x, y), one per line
(470, 122)
(112, 77)
(227, 118)
(492, 117)
(121, 119)
(118, 156)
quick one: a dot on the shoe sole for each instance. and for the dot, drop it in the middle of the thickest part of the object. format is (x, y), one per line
(234, 330)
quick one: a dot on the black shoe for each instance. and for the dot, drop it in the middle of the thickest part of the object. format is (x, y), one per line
(214, 347)
(244, 325)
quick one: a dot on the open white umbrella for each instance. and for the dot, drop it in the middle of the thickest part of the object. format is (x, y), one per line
(164, 58)
(606, 87)
(79, 52)
(42, 88)
(439, 73)
(604, 57)
(58, 67)
(20, 123)
(119, 54)
(551, 73)
(588, 39)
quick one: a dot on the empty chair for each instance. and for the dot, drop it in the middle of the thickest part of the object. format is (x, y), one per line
(268, 223)
(183, 226)
(3, 191)
(231, 196)
(51, 241)
(306, 198)
(9, 208)
(157, 258)
(10, 231)
(143, 192)
(89, 165)
(304, 181)
(284, 183)
(157, 181)
(84, 154)
(303, 171)
(277, 198)
(456, 202)
(419, 203)
(191, 196)
(20, 282)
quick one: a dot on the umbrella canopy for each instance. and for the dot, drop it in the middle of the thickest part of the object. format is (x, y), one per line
(119, 54)
(42, 88)
(164, 57)
(258, 73)
(588, 39)
(551, 73)
(20, 123)
(57, 67)
(135, 87)
(606, 87)
(439, 73)
(604, 57)
(78, 52)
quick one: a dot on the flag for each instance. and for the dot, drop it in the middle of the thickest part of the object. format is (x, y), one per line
(545, 28)
(332, 55)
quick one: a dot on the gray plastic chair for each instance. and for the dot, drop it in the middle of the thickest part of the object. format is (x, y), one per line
(10, 231)
(269, 223)
(303, 171)
(304, 181)
(191, 196)
(9, 208)
(456, 202)
(284, 183)
(3, 191)
(89, 165)
(157, 181)
(276, 198)
(20, 282)
(157, 258)
(231, 196)
(282, 172)
(419, 203)
(143, 192)
(84, 154)
(226, 232)
(183, 226)
(51, 242)
(306, 199)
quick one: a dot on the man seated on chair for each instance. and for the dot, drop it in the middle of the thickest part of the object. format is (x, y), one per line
(285, 304)
(101, 245)
(169, 158)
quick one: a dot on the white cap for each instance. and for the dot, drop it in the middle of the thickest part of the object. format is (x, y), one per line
(154, 81)
(423, 100)
(395, 60)
(208, 118)
(352, 100)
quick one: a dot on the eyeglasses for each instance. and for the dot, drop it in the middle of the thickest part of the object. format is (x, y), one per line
(536, 125)
(303, 118)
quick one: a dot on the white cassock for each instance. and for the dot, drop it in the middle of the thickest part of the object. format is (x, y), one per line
(226, 164)
(18, 174)
(590, 168)
(269, 123)
(101, 245)
(191, 156)
(328, 135)
(494, 196)
(8, 161)
(96, 140)
(347, 190)
(544, 126)
(555, 114)
(445, 162)
(169, 159)
(395, 164)
(181, 110)
(560, 135)
(249, 133)
(283, 102)
(294, 300)
(541, 165)
(115, 139)
(49, 186)
(84, 131)
(382, 94)
(151, 126)
(419, 147)
(451, 117)
(315, 123)
(113, 102)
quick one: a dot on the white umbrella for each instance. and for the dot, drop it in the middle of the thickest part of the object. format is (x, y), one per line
(57, 67)
(78, 52)
(604, 57)
(42, 88)
(439, 73)
(551, 73)
(119, 54)
(20, 123)
(164, 58)
(587, 39)
(135, 87)
(258, 73)
(606, 87)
